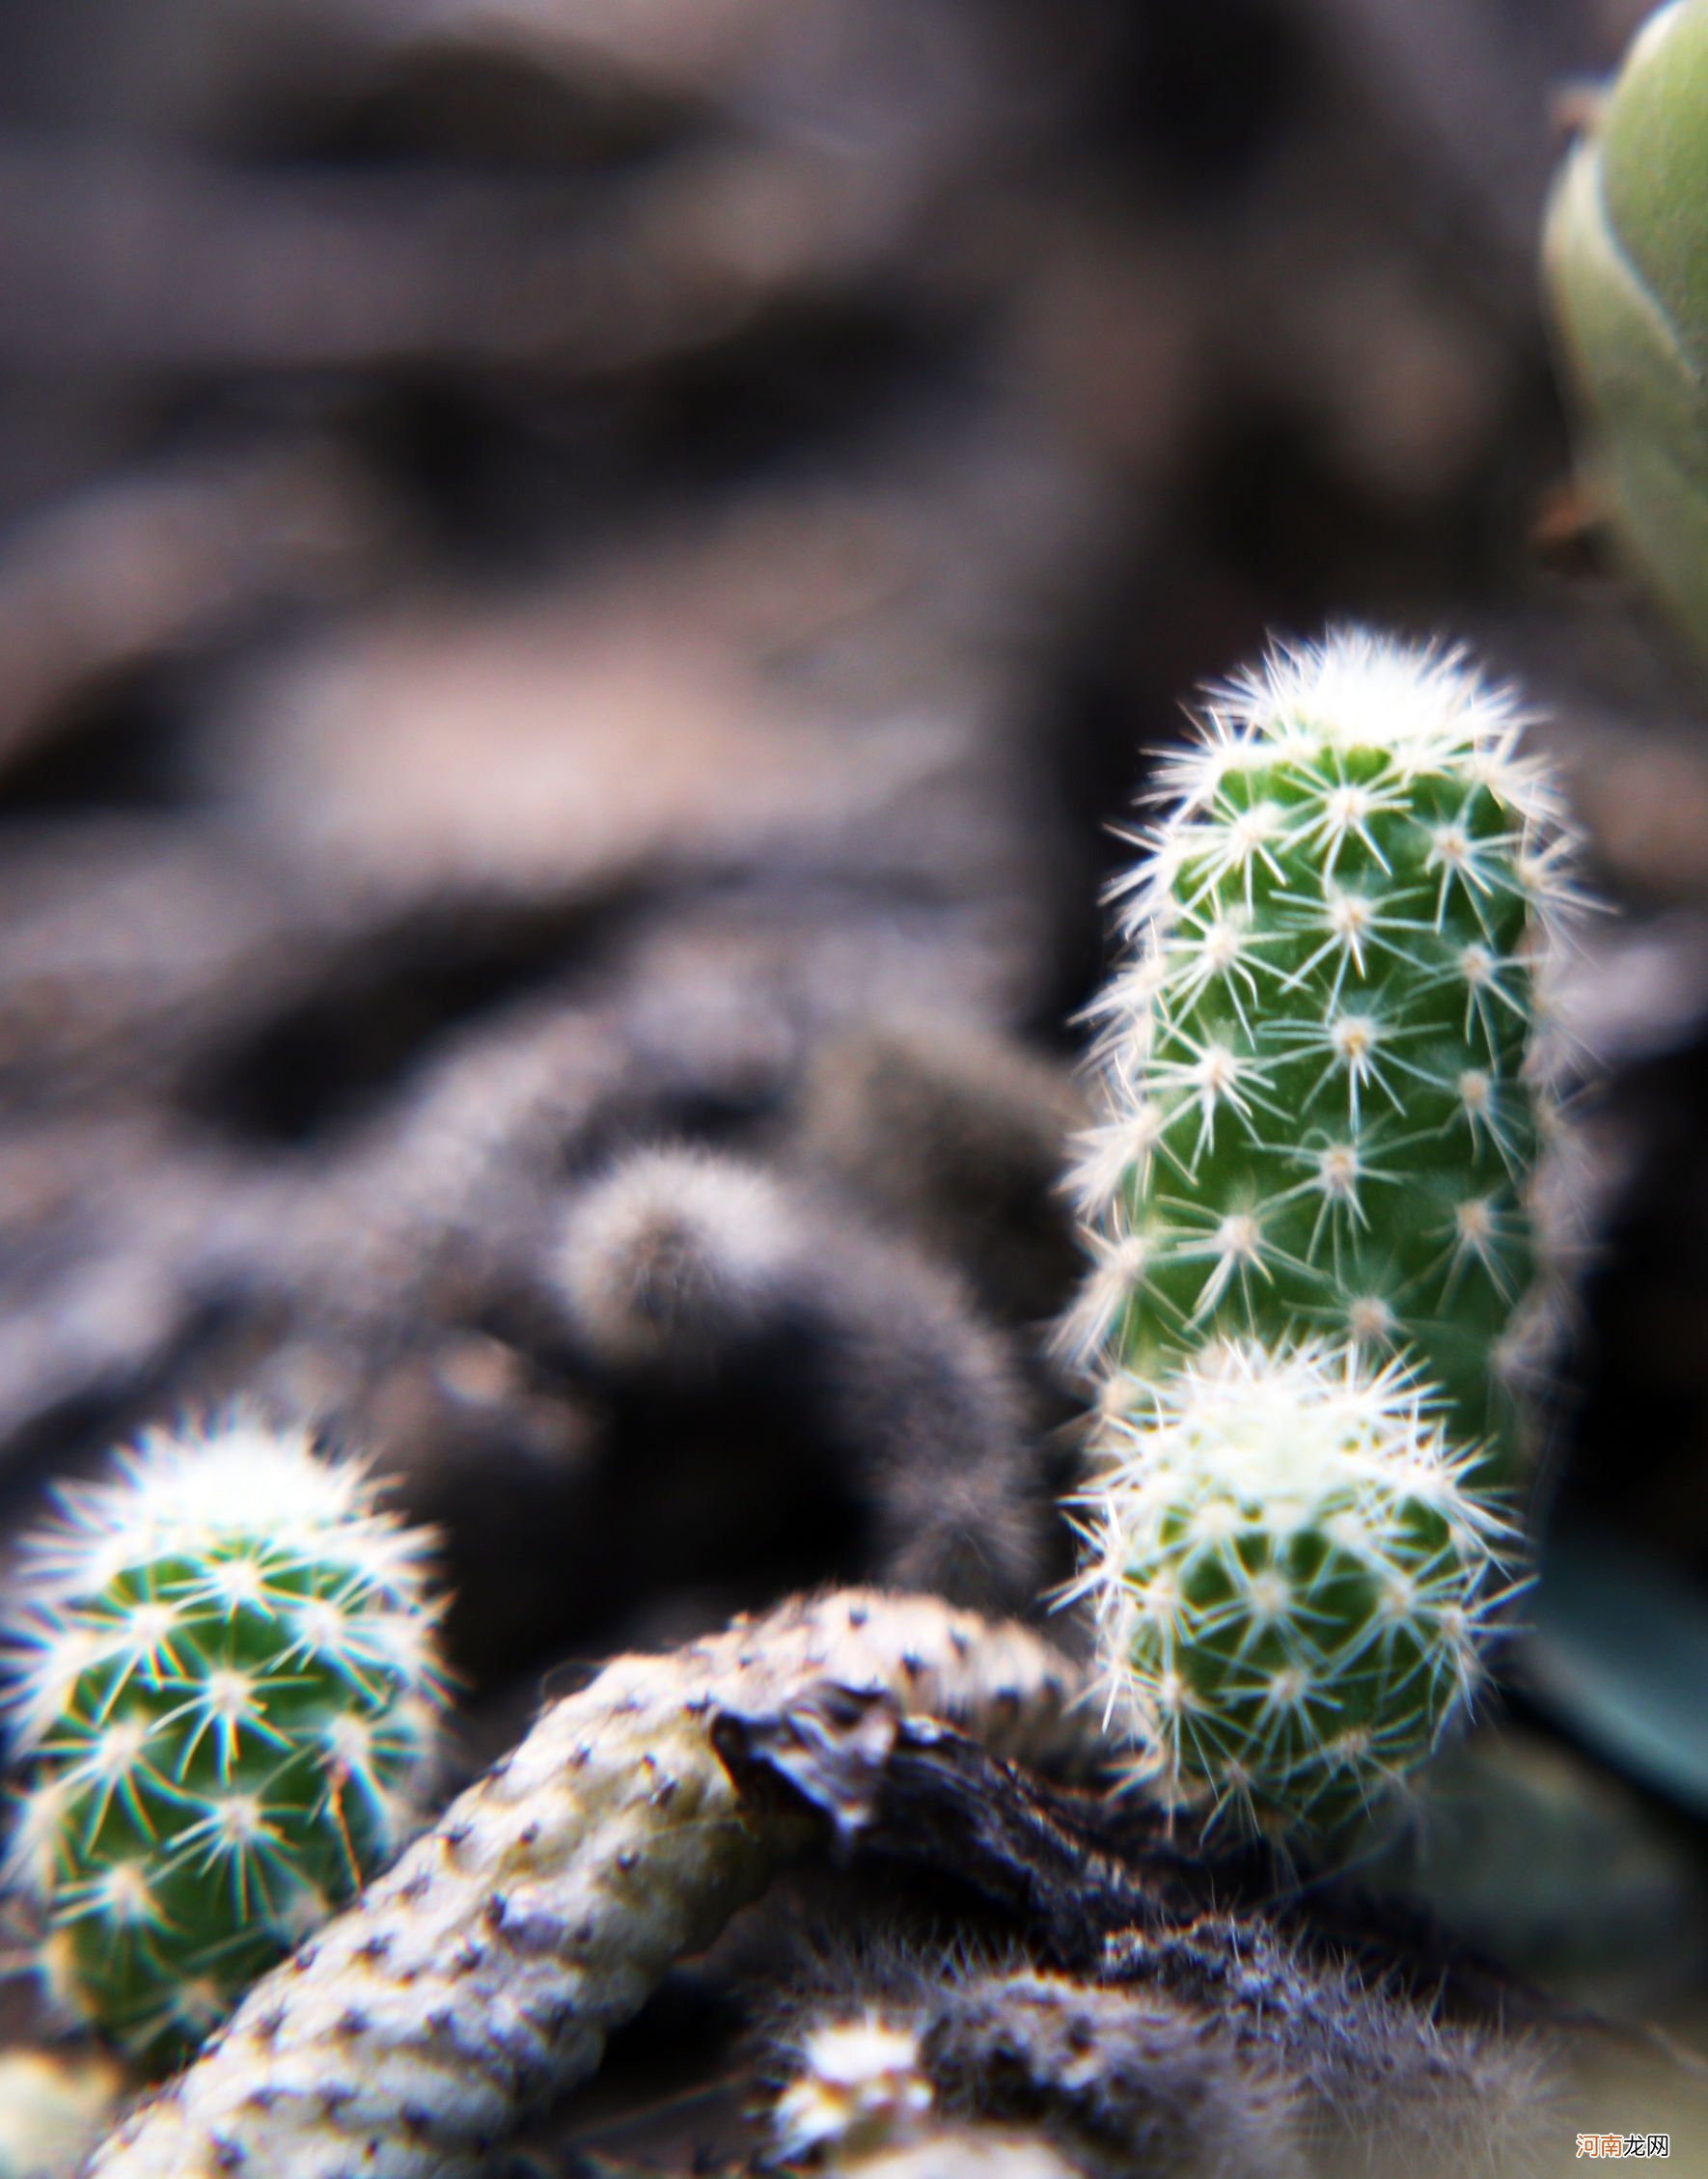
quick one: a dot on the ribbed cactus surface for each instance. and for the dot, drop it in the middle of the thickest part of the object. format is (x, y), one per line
(224, 1692)
(1324, 1110)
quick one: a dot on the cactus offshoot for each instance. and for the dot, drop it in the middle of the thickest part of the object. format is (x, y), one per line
(224, 1690)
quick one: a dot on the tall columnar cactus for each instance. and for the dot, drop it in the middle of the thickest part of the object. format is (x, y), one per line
(223, 1692)
(1325, 1095)
(1312, 1205)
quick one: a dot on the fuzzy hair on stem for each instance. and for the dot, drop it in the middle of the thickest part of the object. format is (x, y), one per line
(482, 1974)
(858, 2085)
(674, 1256)
(1145, 2081)
(1380, 2075)
(679, 1261)
(955, 1136)
(1155, 2006)
(1127, 2081)
(862, 2106)
(1215, 2046)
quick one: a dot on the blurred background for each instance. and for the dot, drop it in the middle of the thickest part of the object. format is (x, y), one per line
(580, 577)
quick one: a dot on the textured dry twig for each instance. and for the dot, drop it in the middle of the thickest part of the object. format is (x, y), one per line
(484, 1972)
(1198, 2025)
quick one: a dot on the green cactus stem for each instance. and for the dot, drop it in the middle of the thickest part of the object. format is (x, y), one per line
(1292, 1583)
(224, 1689)
(1323, 1062)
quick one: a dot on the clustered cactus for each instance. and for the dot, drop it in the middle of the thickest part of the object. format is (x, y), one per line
(223, 1692)
(1318, 1275)
(1319, 1279)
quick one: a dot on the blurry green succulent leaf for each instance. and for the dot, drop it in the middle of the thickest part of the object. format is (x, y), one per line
(1626, 262)
(1655, 163)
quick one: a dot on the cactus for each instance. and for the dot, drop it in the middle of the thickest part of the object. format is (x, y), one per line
(1624, 249)
(1323, 1079)
(1321, 1272)
(1293, 1578)
(223, 1691)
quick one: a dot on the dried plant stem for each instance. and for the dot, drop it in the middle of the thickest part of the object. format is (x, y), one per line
(483, 1974)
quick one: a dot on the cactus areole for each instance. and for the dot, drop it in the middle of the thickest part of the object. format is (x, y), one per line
(224, 1692)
